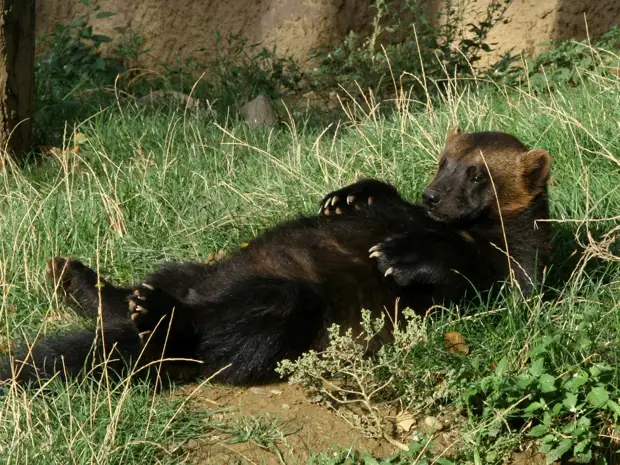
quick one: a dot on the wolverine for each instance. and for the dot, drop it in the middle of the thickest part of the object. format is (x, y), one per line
(367, 248)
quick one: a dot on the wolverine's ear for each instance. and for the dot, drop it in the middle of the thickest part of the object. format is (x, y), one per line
(536, 165)
(452, 134)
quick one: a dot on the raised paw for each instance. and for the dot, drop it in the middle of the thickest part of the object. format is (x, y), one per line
(356, 196)
(150, 307)
(334, 206)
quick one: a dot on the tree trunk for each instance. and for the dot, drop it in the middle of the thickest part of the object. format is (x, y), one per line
(16, 75)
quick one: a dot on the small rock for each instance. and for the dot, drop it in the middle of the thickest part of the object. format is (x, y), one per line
(334, 101)
(258, 391)
(259, 112)
(276, 392)
(286, 406)
(432, 424)
(192, 444)
(404, 422)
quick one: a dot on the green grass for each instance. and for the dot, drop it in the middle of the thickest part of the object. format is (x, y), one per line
(146, 187)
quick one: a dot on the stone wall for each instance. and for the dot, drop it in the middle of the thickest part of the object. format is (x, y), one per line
(188, 27)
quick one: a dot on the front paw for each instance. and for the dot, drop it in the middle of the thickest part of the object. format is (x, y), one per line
(406, 263)
(355, 197)
(149, 308)
(390, 261)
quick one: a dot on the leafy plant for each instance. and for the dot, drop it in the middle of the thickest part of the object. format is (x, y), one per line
(71, 72)
(238, 72)
(70, 53)
(419, 52)
(565, 413)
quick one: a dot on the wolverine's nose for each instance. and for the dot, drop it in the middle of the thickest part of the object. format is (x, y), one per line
(431, 198)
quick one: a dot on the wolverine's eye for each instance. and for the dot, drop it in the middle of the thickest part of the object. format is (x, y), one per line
(478, 177)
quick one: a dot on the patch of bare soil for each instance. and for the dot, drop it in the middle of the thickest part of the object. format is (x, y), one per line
(529, 457)
(303, 428)
(278, 423)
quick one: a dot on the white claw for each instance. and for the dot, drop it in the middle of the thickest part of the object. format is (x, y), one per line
(371, 200)
(148, 286)
(141, 309)
(374, 248)
(335, 200)
(389, 271)
(327, 204)
(375, 254)
(350, 199)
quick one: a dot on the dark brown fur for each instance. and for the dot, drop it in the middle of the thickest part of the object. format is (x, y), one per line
(368, 248)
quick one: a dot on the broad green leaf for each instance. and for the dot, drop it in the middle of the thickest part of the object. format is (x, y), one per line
(570, 401)
(563, 447)
(502, 367)
(613, 406)
(598, 396)
(581, 446)
(538, 430)
(538, 367)
(547, 383)
(575, 383)
(584, 458)
(533, 407)
(524, 381)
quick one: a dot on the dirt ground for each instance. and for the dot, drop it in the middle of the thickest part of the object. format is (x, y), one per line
(303, 428)
(278, 424)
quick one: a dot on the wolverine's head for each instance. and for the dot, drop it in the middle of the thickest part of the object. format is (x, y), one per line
(483, 173)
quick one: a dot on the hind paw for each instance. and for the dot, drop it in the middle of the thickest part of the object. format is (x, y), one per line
(69, 277)
(150, 307)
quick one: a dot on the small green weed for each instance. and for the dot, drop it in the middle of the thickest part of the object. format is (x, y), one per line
(262, 430)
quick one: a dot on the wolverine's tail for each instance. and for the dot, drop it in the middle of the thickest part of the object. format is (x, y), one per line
(115, 347)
